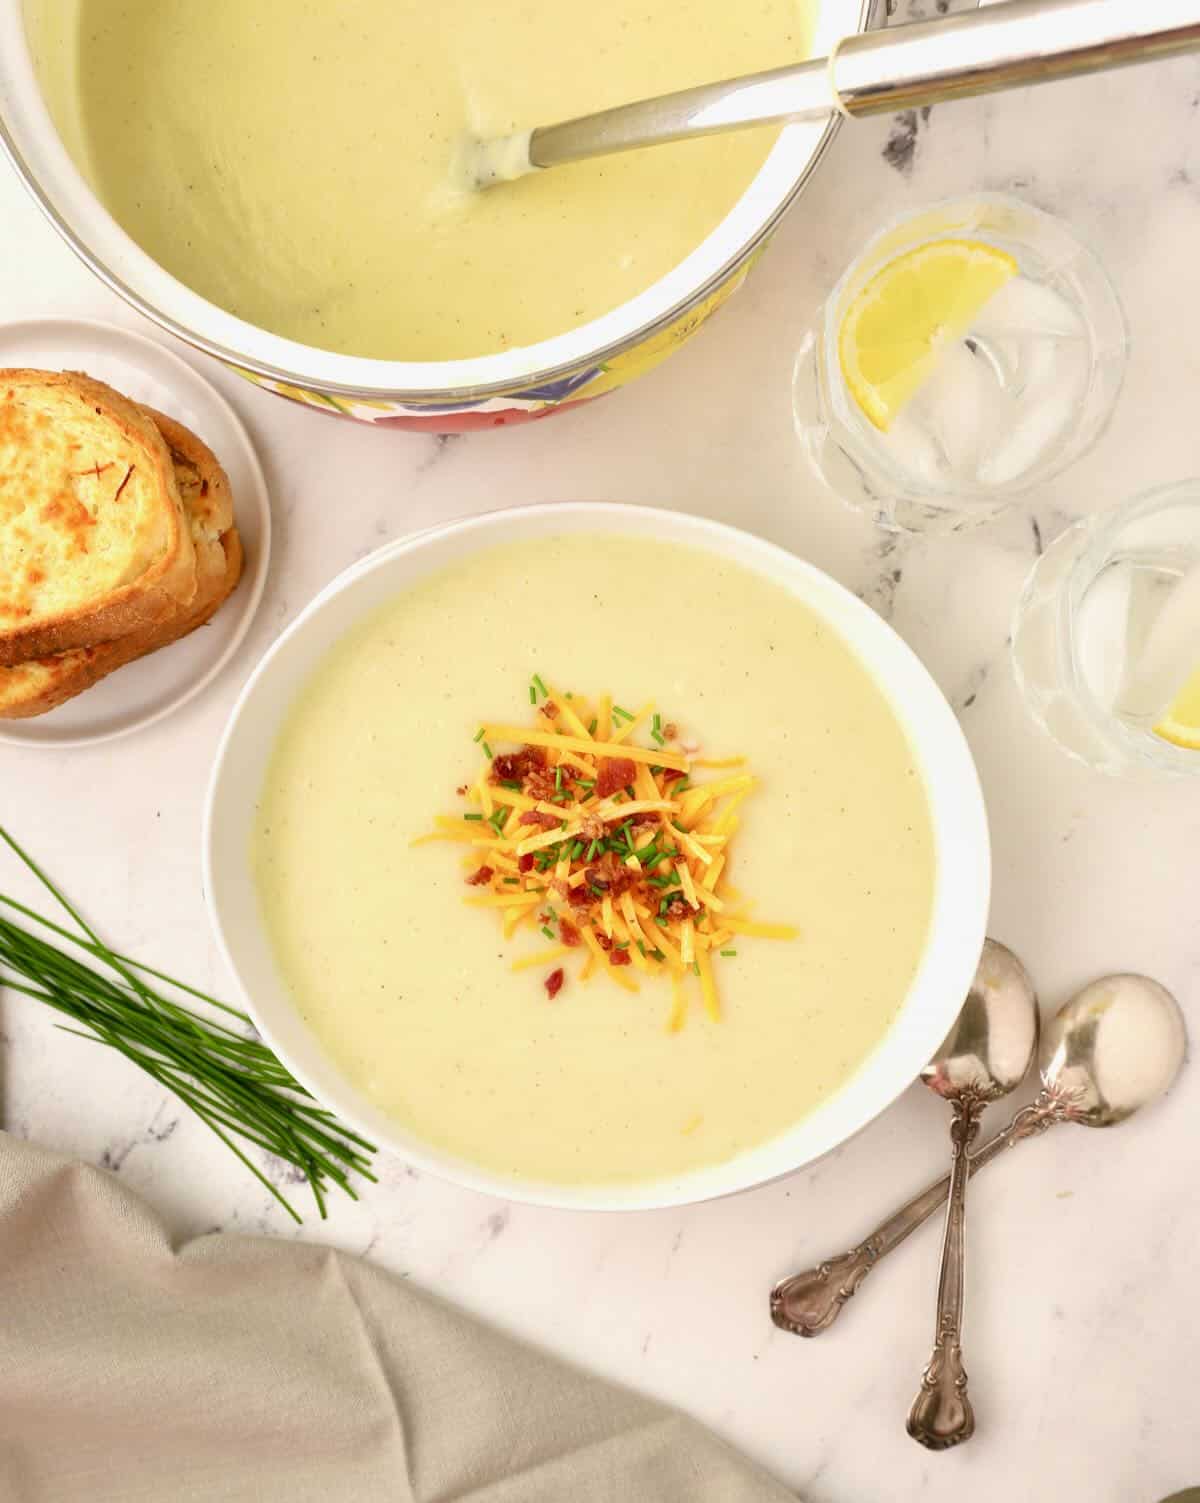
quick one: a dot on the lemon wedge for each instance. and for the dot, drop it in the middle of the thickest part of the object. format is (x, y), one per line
(892, 331)
(1181, 723)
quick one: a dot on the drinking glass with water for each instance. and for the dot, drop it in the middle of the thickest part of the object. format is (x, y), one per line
(972, 351)
(1106, 638)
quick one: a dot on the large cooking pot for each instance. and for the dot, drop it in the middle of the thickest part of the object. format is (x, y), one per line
(440, 396)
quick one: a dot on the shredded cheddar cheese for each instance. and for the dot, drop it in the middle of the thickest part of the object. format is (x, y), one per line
(606, 848)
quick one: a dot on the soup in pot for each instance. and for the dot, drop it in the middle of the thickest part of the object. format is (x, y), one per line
(294, 160)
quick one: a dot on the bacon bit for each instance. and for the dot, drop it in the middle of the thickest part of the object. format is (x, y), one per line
(569, 934)
(542, 821)
(592, 828)
(670, 775)
(678, 909)
(670, 730)
(461, 790)
(619, 957)
(539, 785)
(524, 864)
(615, 773)
(554, 983)
(512, 767)
(603, 940)
(481, 878)
(545, 917)
(580, 897)
(550, 710)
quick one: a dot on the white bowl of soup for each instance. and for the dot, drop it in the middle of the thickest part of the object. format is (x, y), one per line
(274, 183)
(404, 920)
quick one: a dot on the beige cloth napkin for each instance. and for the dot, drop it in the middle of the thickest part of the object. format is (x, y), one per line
(233, 1369)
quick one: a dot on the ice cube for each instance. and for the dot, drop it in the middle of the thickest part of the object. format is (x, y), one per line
(952, 409)
(1025, 307)
(1048, 386)
(1169, 648)
(1101, 632)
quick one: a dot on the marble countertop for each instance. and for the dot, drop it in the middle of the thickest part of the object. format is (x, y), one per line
(1083, 1319)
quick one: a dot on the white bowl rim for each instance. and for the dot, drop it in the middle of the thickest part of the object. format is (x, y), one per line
(963, 878)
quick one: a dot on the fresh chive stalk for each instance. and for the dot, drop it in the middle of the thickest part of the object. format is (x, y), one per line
(228, 1077)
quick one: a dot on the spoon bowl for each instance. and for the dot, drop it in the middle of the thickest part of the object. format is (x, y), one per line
(991, 1045)
(1113, 1048)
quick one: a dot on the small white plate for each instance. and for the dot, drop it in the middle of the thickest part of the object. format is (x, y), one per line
(144, 691)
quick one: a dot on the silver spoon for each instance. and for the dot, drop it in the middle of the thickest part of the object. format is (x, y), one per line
(986, 1055)
(900, 67)
(1111, 1050)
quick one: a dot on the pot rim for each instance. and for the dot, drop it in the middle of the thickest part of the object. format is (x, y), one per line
(206, 327)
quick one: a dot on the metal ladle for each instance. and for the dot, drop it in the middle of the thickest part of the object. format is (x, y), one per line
(985, 1056)
(1112, 1049)
(900, 67)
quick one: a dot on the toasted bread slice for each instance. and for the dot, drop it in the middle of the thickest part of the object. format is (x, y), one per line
(94, 544)
(32, 688)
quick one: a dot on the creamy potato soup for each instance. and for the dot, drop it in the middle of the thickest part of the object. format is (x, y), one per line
(400, 964)
(292, 160)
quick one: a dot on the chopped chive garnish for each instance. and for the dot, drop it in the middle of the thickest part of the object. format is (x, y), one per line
(657, 770)
(480, 736)
(624, 714)
(659, 881)
(682, 785)
(663, 905)
(592, 849)
(592, 727)
(532, 695)
(487, 751)
(577, 850)
(511, 783)
(512, 881)
(540, 687)
(624, 945)
(660, 921)
(728, 952)
(558, 778)
(479, 817)
(696, 966)
(588, 783)
(642, 949)
(547, 931)
(659, 737)
(657, 722)
(570, 695)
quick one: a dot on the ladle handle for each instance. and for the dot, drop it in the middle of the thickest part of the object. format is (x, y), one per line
(941, 1415)
(920, 63)
(1005, 46)
(808, 1303)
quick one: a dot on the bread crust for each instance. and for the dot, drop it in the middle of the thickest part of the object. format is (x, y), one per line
(52, 503)
(37, 686)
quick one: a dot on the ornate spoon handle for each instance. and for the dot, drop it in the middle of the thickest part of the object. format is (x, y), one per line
(941, 1415)
(808, 1303)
